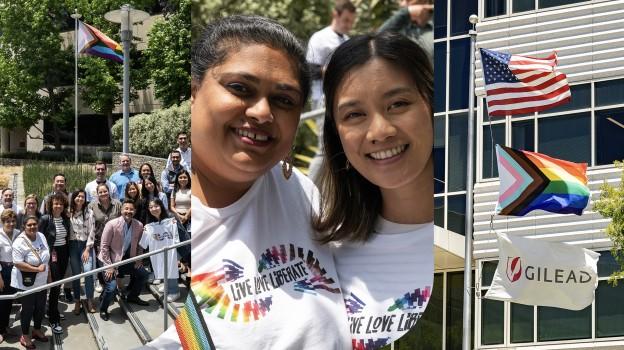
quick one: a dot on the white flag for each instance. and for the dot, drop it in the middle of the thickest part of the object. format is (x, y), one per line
(542, 273)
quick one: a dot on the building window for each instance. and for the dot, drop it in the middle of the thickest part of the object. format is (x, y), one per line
(522, 135)
(457, 153)
(460, 11)
(492, 321)
(495, 7)
(523, 5)
(438, 211)
(553, 3)
(580, 99)
(454, 310)
(456, 215)
(492, 135)
(439, 76)
(439, 20)
(439, 129)
(459, 80)
(609, 132)
(609, 310)
(566, 137)
(609, 92)
(521, 323)
(550, 327)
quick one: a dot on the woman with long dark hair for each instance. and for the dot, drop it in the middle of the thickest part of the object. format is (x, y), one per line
(81, 253)
(181, 199)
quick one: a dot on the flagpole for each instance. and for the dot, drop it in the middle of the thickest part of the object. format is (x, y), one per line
(467, 311)
(75, 16)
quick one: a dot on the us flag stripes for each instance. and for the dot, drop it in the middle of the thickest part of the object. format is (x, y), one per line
(516, 84)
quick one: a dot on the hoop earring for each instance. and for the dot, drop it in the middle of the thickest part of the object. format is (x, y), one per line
(287, 166)
(347, 165)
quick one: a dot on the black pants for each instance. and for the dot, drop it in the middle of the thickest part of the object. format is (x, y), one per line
(5, 305)
(57, 270)
(33, 306)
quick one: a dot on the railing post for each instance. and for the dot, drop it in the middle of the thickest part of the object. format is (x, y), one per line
(166, 284)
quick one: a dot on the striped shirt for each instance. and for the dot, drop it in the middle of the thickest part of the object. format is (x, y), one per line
(61, 232)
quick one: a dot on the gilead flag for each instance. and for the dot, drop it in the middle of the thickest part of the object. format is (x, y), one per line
(533, 272)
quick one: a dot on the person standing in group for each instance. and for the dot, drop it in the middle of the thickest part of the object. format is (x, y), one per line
(31, 205)
(146, 170)
(159, 232)
(58, 186)
(134, 193)
(8, 199)
(185, 151)
(81, 255)
(7, 237)
(31, 256)
(415, 21)
(104, 209)
(170, 174)
(181, 199)
(320, 47)
(124, 175)
(120, 241)
(55, 226)
(100, 178)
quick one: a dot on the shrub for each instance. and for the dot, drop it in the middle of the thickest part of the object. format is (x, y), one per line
(154, 134)
(38, 177)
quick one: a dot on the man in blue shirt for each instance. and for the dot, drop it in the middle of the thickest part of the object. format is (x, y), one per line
(121, 177)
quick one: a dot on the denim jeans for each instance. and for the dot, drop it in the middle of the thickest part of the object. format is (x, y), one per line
(172, 286)
(138, 277)
(76, 248)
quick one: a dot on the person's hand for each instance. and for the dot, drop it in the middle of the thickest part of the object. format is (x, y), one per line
(1, 284)
(108, 275)
(420, 14)
(41, 268)
(85, 255)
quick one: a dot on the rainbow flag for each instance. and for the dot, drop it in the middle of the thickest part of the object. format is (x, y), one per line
(191, 327)
(93, 42)
(530, 180)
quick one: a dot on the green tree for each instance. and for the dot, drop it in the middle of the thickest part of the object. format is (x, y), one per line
(611, 205)
(167, 56)
(36, 69)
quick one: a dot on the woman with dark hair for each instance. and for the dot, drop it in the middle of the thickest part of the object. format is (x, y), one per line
(377, 178)
(133, 192)
(7, 237)
(159, 232)
(149, 191)
(31, 255)
(251, 214)
(81, 239)
(145, 170)
(56, 227)
(181, 199)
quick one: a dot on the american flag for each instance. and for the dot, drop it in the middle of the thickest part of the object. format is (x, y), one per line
(517, 84)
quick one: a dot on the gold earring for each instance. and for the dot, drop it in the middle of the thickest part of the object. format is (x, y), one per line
(287, 166)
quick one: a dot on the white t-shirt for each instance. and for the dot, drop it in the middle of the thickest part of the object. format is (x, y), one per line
(320, 47)
(260, 280)
(6, 245)
(157, 235)
(91, 190)
(386, 281)
(23, 253)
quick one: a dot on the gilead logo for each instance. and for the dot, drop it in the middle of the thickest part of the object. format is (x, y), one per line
(544, 274)
(514, 268)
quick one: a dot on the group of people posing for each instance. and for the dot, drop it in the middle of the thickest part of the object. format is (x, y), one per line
(105, 222)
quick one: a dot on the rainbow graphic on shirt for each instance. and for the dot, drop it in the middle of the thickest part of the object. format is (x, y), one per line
(412, 300)
(369, 344)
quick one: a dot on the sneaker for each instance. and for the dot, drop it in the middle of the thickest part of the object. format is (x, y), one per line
(98, 287)
(172, 297)
(56, 328)
(156, 282)
(68, 296)
(161, 289)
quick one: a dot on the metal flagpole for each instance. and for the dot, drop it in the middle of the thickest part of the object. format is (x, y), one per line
(75, 16)
(467, 319)
(126, 38)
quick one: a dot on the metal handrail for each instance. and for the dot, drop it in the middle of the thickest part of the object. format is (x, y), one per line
(92, 272)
